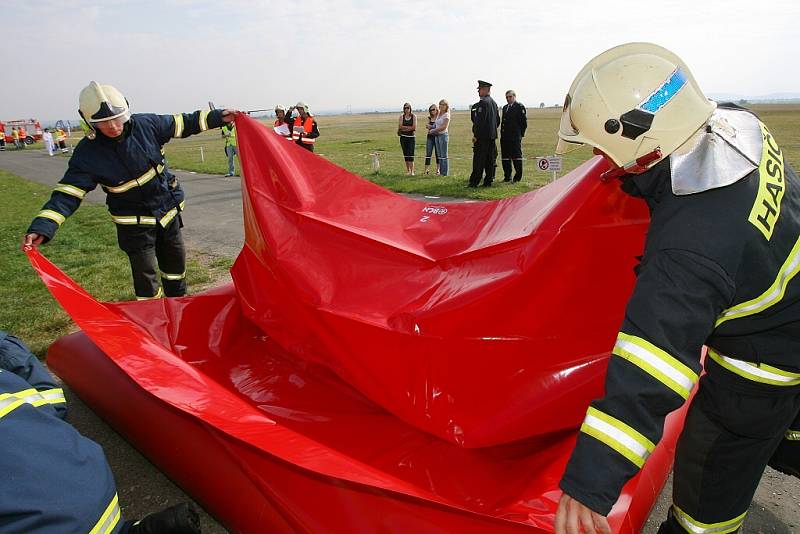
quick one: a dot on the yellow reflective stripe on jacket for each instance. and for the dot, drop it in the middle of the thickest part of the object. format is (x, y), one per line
(108, 521)
(178, 125)
(8, 403)
(167, 276)
(771, 296)
(692, 525)
(71, 190)
(40, 398)
(165, 220)
(158, 295)
(140, 181)
(793, 435)
(12, 401)
(133, 219)
(52, 215)
(763, 373)
(657, 363)
(203, 120)
(617, 435)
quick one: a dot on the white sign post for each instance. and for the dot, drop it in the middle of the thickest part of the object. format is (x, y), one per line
(550, 164)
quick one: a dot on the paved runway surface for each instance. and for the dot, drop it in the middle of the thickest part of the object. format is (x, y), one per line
(213, 223)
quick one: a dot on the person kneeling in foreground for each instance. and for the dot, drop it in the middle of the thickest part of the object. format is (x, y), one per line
(54, 479)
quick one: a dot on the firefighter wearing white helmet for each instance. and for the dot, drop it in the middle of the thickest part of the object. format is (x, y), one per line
(102, 103)
(717, 271)
(304, 126)
(123, 153)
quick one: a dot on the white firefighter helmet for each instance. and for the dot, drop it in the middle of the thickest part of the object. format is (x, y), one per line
(102, 103)
(630, 101)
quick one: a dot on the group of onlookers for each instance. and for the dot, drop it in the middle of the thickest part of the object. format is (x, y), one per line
(437, 138)
(485, 119)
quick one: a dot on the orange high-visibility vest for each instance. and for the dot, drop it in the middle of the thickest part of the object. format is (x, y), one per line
(308, 126)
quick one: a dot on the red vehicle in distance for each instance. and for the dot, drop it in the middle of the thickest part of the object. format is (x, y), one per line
(33, 130)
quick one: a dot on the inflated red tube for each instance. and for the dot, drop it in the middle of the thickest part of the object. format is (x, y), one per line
(267, 441)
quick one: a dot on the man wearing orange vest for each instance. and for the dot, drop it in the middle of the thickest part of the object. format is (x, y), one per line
(22, 135)
(304, 127)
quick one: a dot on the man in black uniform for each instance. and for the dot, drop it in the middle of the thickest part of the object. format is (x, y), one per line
(485, 119)
(719, 269)
(124, 154)
(512, 130)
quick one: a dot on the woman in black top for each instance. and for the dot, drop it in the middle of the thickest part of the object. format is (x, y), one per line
(430, 142)
(406, 127)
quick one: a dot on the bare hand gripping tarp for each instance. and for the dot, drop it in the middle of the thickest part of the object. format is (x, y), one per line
(383, 364)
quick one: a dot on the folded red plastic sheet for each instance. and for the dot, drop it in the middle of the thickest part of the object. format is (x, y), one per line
(481, 323)
(267, 441)
(363, 325)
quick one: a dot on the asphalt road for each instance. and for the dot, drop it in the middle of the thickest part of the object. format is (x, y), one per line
(213, 224)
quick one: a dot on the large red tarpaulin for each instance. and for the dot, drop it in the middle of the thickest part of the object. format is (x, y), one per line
(383, 363)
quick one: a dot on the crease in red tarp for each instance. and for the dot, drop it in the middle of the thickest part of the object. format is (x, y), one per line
(479, 322)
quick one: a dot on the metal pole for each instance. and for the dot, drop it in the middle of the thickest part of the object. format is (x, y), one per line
(376, 162)
(202, 155)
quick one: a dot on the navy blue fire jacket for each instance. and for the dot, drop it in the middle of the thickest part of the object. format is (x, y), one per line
(719, 269)
(132, 171)
(53, 479)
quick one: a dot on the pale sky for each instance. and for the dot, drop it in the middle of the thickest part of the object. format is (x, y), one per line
(176, 55)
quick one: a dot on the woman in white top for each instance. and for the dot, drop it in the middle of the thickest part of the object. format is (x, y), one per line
(442, 137)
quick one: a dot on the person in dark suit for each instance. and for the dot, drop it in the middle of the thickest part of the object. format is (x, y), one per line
(485, 120)
(512, 130)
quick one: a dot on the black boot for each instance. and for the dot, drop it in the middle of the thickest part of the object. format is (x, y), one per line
(787, 458)
(179, 519)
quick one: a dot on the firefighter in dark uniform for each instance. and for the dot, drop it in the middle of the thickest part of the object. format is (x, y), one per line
(304, 126)
(513, 124)
(124, 154)
(485, 120)
(54, 479)
(718, 270)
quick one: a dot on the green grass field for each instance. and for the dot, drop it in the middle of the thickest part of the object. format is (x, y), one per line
(86, 249)
(348, 140)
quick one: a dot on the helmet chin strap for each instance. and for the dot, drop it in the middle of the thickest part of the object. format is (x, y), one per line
(637, 166)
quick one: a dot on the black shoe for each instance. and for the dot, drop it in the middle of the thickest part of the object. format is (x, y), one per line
(179, 519)
(787, 459)
(487, 184)
(506, 179)
(473, 185)
(517, 180)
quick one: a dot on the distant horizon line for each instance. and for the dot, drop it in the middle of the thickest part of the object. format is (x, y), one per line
(719, 97)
